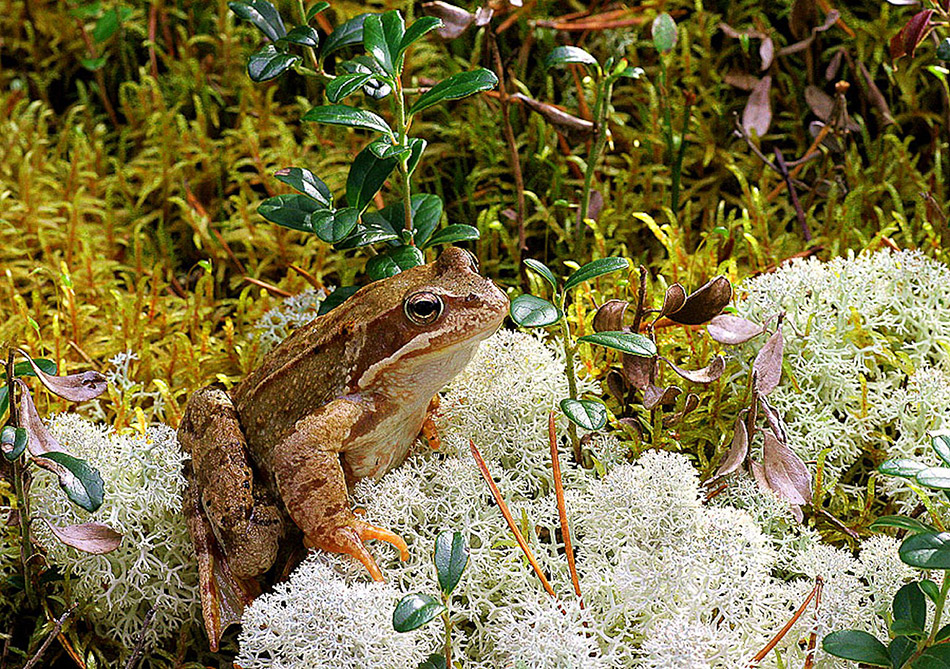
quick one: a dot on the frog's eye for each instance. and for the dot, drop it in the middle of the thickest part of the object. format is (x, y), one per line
(423, 308)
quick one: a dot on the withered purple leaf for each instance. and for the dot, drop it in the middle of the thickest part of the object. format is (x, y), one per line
(455, 20)
(707, 374)
(40, 440)
(757, 114)
(874, 94)
(768, 363)
(609, 316)
(639, 371)
(774, 419)
(830, 19)
(742, 80)
(673, 300)
(705, 303)
(835, 64)
(766, 53)
(819, 102)
(758, 473)
(654, 396)
(737, 451)
(616, 385)
(483, 15)
(91, 537)
(574, 127)
(785, 472)
(732, 330)
(73, 387)
(689, 406)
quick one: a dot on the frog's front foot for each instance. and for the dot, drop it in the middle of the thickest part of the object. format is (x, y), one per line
(349, 539)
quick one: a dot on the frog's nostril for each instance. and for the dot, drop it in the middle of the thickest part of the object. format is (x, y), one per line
(472, 297)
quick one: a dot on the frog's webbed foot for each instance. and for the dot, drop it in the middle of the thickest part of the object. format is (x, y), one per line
(349, 538)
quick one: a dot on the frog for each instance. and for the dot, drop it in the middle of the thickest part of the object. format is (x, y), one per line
(342, 398)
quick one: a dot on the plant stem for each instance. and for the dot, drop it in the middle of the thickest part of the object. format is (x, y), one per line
(20, 490)
(604, 92)
(310, 49)
(678, 163)
(938, 614)
(399, 97)
(571, 379)
(447, 623)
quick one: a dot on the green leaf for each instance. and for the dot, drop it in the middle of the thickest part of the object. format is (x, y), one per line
(434, 661)
(627, 342)
(937, 478)
(589, 414)
(450, 557)
(902, 523)
(348, 116)
(930, 589)
(21, 369)
(334, 226)
(367, 175)
(935, 657)
(927, 550)
(13, 441)
(902, 467)
(393, 261)
(943, 49)
(93, 64)
(594, 269)
(457, 86)
(419, 28)
(106, 26)
(414, 611)
(900, 650)
(81, 483)
(426, 211)
(664, 33)
(263, 15)
(382, 35)
(910, 606)
(347, 34)
(367, 233)
(336, 298)
(303, 35)
(4, 399)
(542, 270)
(944, 632)
(940, 442)
(384, 148)
(858, 646)
(529, 311)
(306, 182)
(290, 210)
(269, 63)
(565, 55)
(417, 146)
(450, 234)
(316, 9)
(343, 85)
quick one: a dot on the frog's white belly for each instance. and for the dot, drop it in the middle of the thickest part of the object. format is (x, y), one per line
(386, 446)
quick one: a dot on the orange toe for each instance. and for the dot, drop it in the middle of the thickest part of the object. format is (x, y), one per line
(368, 531)
(347, 540)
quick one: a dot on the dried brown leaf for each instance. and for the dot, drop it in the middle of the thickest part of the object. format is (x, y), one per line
(766, 53)
(819, 102)
(729, 329)
(574, 127)
(73, 387)
(455, 20)
(834, 65)
(689, 406)
(741, 80)
(92, 537)
(483, 16)
(737, 451)
(705, 303)
(830, 20)
(609, 316)
(758, 473)
(774, 419)
(707, 374)
(757, 115)
(639, 371)
(875, 96)
(768, 363)
(785, 472)
(39, 438)
(655, 396)
(673, 301)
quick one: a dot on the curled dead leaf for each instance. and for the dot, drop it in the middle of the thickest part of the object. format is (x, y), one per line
(655, 396)
(73, 387)
(737, 451)
(673, 300)
(768, 363)
(766, 53)
(609, 316)
(690, 404)
(757, 114)
(774, 419)
(455, 20)
(576, 128)
(705, 303)
(639, 371)
(92, 537)
(785, 472)
(830, 19)
(874, 94)
(741, 80)
(707, 374)
(732, 330)
(40, 440)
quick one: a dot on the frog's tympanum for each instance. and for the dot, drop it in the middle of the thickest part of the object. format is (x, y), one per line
(342, 398)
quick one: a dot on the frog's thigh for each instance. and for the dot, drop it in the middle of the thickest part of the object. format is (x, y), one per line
(313, 487)
(244, 518)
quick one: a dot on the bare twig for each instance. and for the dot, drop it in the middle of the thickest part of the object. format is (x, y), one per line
(480, 461)
(49, 639)
(562, 508)
(783, 170)
(273, 290)
(815, 592)
(140, 644)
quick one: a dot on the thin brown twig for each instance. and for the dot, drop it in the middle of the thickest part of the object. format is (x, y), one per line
(273, 290)
(815, 592)
(140, 644)
(562, 508)
(480, 461)
(49, 639)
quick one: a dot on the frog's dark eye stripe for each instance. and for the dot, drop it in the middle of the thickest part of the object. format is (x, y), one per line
(423, 308)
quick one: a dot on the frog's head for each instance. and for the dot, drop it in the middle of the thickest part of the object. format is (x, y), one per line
(427, 322)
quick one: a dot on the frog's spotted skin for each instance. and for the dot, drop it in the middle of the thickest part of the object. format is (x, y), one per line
(341, 399)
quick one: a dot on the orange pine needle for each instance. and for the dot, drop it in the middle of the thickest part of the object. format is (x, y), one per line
(480, 461)
(562, 508)
(815, 592)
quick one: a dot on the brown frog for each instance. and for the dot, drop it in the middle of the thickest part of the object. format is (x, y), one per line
(342, 398)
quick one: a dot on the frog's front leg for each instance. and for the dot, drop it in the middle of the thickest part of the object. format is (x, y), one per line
(312, 485)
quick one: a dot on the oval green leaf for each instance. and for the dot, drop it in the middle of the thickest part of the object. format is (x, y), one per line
(24, 368)
(937, 478)
(4, 398)
(393, 261)
(940, 442)
(347, 34)
(336, 298)
(367, 175)
(542, 270)
(564, 55)
(902, 467)
(348, 116)
(901, 523)
(334, 226)
(419, 28)
(450, 557)
(269, 63)
(306, 182)
(931, 589)
(588, 414)
(935, 657)
(316, 9)
(627, 342)
(81, 482)
(944, 633)
(926, 550)
(343, 85)
(12, 441)
(450, 234)
(529, 311)
(291, 211)
(382, 34)
(457, 86)
(303, 35)
(263, 15)
(594, 269)
(664, 33)
(910, 606)
(414, 611)
(858, 646)
(367, 233)
(900, 650)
